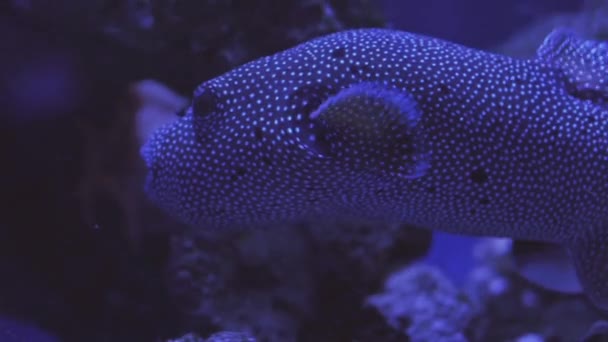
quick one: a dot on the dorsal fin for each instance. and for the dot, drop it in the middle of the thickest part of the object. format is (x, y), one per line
(584, 62)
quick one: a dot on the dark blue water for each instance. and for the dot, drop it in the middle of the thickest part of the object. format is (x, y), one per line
(477, 23)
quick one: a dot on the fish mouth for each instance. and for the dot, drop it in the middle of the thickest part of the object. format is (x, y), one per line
(151, 150)
(147, 155)
(150, 154)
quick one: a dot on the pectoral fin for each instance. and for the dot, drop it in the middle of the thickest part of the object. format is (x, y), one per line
(374, 127)
(590, 255)
(584, 62)
(597, 332)
(547, 265)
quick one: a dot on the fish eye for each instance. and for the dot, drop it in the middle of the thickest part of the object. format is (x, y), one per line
(204, 102)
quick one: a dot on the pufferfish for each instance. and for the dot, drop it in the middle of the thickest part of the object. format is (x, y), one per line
(387, 125)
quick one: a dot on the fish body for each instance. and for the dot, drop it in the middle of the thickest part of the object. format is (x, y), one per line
(395, 126)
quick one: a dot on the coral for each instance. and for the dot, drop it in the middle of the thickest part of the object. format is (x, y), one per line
(420, 300)
(351, 261)
(224, 336)
(256, 282)
(187, 338)
(511, 307)
(285, 282)
(231, 337)
(591, 22)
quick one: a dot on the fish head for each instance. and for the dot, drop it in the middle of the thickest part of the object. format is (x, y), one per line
(285, 137)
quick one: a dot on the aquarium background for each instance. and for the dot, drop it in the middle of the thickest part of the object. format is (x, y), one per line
(84, 256)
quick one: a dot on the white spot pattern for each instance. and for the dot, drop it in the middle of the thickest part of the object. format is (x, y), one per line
(512, 153)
